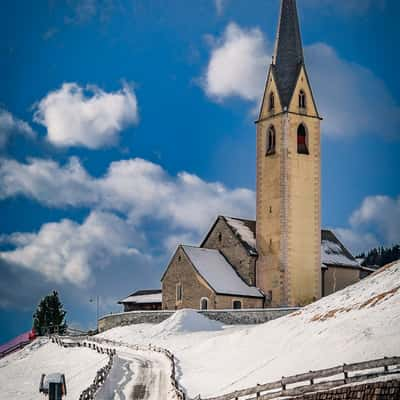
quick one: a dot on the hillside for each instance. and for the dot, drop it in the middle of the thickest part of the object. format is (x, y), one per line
(20, 372)
(358, 323)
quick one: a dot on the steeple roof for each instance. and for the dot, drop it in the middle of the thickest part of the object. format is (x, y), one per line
(288, 56)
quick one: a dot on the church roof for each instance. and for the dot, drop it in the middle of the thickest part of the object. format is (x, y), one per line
(333, 252)
(245, 231)
(218, 272)
(288, 57)
(144, 296)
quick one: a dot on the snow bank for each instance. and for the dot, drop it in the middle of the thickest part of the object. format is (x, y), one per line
(20, 372)
(185, 321)
(359, 323)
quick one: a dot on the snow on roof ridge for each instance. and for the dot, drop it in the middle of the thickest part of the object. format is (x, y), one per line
(218, 272)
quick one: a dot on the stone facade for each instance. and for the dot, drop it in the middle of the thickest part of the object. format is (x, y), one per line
(228, 317)
(389, 390)
(336, 278)
(288, 200)
(194, 288)
(222, 238)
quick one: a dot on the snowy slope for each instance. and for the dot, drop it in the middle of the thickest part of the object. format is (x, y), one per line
(20, 372)
(359, 323)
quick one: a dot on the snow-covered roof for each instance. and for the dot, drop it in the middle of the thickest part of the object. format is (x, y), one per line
(334, 253)
(143, 297)
(245, 230)
(218, 273)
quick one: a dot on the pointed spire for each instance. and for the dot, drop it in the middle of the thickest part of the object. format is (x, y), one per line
(288, 51)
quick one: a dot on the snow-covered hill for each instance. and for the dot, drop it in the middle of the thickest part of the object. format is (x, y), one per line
(20, 372)
(359, 323)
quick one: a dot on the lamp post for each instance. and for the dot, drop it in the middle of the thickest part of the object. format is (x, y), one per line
(97, 310)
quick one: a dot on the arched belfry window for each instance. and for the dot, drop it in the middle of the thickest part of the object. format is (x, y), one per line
(302, 140)
(271, 140)
(271, 101)
(302, 99)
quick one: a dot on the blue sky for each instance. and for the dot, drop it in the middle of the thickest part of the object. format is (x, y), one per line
(127, 126)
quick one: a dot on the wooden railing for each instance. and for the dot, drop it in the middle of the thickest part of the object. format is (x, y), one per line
(101, 375)
(298, 385)
(18, 346)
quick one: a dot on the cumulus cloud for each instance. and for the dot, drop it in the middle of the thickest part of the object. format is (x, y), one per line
(238, 64)
(136, 187)
(343, 90)
(88, 117)
(66, 251)
(351, 90)
(10, 125)
(374, 223)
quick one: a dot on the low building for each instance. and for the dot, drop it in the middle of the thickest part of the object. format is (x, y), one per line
(143, 300)
(339, 268)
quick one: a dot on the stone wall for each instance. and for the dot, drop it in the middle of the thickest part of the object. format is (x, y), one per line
(229, 317)
(389, 390)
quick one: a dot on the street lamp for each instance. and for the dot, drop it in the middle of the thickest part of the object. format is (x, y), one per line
(97, 310)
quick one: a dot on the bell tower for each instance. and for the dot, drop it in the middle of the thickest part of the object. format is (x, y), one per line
(288, 174)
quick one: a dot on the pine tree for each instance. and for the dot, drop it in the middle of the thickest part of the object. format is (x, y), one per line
(381, 256)
(50, 316)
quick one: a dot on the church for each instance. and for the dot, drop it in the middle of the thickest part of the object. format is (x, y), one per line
(283, 258)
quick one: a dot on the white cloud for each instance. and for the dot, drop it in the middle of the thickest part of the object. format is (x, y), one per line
(374, 223)
(89, 117)
(136, 187)
(238, 64)
(382, 212)
(11, 125)
(345, 91)
(350, 96)
(69, 252)
(46, 182)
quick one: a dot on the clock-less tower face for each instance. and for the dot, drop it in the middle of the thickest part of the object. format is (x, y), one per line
(288, 175)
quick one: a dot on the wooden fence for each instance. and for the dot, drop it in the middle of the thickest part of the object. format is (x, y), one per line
(101, 375)
(298, 385)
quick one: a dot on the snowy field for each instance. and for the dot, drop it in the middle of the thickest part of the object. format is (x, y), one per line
(359, 323)
(20, 372)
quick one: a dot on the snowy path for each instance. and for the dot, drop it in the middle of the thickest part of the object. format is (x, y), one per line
(137, 375)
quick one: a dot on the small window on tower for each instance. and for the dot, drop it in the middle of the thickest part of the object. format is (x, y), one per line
(302, 147)
(271, 138)
(220, 237)
(271, 101)
(302, 99)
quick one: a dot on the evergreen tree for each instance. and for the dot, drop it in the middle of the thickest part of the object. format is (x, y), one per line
(50, 316)
(381, 256)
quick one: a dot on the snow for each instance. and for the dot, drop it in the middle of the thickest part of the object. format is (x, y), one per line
(359, 323)
(21, 371)
(185, 321)
(144, 298)
(332, 253)
(219, 274)
(246, 234)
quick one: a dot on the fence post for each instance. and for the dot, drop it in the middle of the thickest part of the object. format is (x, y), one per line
(258, 393)
(283, 384)
(346, 374)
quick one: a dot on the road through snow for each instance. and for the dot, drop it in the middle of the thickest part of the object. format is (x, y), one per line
(137, 375)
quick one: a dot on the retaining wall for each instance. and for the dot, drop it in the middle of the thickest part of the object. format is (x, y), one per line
(228, 317)
(389, 390)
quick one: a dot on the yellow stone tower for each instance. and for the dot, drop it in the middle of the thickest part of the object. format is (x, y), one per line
(288, 174)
